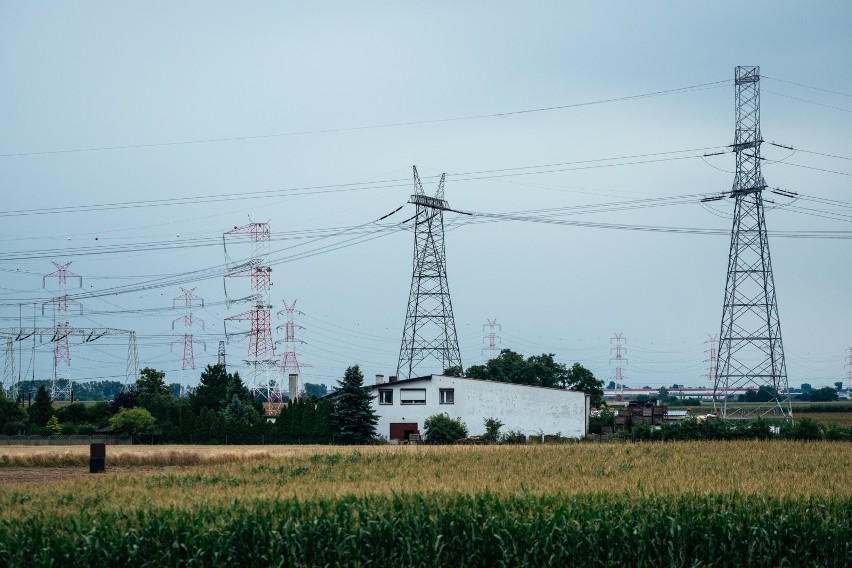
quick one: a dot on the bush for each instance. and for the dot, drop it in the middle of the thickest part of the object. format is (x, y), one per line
(807, 429)
(513, 437)
(492, 430)
(442, 429)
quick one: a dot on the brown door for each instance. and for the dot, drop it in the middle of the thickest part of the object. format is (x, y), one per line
(400, 430)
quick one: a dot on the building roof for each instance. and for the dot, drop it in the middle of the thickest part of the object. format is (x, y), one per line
(429, 378)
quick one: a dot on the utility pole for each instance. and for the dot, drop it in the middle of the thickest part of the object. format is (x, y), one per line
(618, 352)
(61, 345)
(220, 356)
(712, 358)
(261, 350)
(289, 366)
(429, 334)
(849, 366)
(751, 354)
(188, 322)
(491, 337)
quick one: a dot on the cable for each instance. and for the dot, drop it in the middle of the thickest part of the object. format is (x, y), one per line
(808, 101)
(702, 86)
(807, 86)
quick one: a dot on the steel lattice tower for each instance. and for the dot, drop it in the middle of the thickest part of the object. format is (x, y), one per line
(62, 329)
(429, 334)
(189, 323)
(261, 349)
(849, 364)
(712, 359)
(220, 356)
(619, 359)
(751, 354)
(10, 385)
(492, 337)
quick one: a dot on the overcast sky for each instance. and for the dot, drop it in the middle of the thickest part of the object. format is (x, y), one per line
(200, 116)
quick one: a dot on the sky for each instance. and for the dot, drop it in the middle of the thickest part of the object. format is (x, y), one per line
(132, 136)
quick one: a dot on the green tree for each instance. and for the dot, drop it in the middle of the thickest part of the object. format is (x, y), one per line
(53, 424)
(442, 429)
(511, 367)
(492, 430)
(318, 390)
(353, 419)
(454, 371)
(216, 389)
(42, 407)
(579, 378)
(825, 394)
(12, 415)
(152, 382)
(134, 421)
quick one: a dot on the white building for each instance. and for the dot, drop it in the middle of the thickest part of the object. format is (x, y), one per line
(403, 406)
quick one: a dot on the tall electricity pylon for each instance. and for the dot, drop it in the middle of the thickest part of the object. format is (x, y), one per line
(618, 374)
(751, 354)
(429, 335)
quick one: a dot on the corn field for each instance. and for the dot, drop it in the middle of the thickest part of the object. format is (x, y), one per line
(675, 504)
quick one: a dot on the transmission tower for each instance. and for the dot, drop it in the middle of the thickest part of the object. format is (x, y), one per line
(491, 337)
(849, 365)
(10, 385)
(618, 356)
(188, 323)
(261, 350)
(712, 358)
(61, 346)
(220, 357)
(429, 334)
(751, 354)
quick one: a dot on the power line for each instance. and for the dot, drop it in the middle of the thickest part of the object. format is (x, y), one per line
(807, 86)
(701, 86)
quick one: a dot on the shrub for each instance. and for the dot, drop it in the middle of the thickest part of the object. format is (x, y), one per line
(492, 430)
(513, 437)
(442, 429)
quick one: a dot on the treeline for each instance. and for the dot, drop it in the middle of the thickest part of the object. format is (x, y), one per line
(715, 429)
(221, 410)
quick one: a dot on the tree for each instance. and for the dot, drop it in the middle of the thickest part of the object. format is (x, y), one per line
(492, 430)
(838, 386)
(317, 390)
(125, 399)
(806, 388)
(12, 415)
(825, 394)
(152, 382)
(454, 371)
(442, 429)
(216, 389)
(42, 408)
(353, 418)
(510, 367)
(53, 424)
(764, 393)
(579, 378)
(134, 421)
(611, 385)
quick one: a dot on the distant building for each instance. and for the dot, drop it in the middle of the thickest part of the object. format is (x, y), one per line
(403, 406)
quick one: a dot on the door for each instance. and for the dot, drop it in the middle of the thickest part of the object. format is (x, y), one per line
(401, 430)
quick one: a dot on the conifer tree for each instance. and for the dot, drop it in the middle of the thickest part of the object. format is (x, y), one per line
(353, 418)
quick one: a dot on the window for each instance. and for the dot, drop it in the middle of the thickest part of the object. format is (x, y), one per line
(412, 396)
(448, 396)
(385, 396)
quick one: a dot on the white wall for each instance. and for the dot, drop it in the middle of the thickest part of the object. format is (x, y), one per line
(531, 410)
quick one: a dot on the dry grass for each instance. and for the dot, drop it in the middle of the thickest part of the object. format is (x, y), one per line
(215, 476)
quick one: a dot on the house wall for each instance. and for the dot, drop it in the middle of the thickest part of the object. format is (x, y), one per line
(530, 410)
